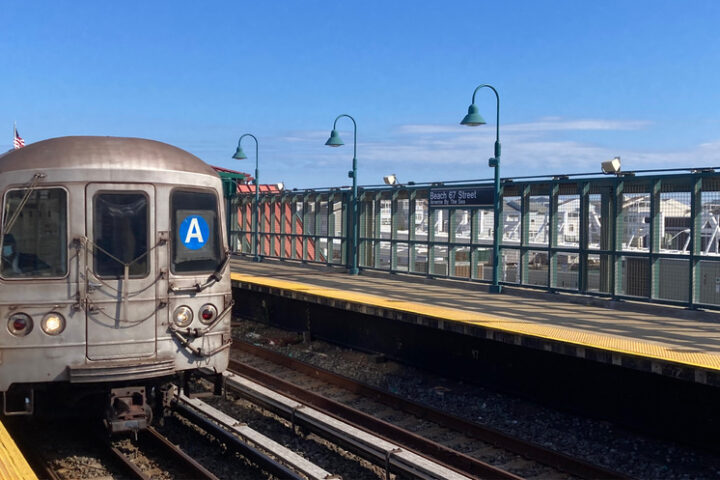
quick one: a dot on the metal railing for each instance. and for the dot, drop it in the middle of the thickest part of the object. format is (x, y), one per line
(651, 237)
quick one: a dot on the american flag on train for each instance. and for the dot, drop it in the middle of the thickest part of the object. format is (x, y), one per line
(18, 141)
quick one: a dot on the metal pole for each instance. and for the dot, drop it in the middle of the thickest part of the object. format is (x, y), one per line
(353, 250)
(356, 218)
(256, 209)
(495, 163)
(256, 258)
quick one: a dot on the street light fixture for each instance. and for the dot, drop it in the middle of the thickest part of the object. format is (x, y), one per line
(240, 155)
(390, 179)
(611, 167)
(473, 119)
(335, 141)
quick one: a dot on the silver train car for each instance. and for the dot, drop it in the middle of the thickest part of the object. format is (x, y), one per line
(114, 275)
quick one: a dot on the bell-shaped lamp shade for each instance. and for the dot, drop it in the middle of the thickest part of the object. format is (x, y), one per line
(473, 118)
(239, 154)
(334, 140)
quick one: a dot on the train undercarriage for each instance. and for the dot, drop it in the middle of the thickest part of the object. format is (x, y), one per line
(122, 407)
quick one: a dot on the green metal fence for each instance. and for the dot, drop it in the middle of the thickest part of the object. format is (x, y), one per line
(643, 237)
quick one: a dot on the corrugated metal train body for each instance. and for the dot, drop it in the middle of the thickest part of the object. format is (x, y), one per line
(118, 312)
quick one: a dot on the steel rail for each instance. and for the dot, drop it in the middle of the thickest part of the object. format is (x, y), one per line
(191, 466)
(238, 437)
(392, 455)
(129, 466)
(452, 459)
(529, 450)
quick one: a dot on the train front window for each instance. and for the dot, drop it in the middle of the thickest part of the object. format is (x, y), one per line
(34, 233)
(121, 234)
(196, 241)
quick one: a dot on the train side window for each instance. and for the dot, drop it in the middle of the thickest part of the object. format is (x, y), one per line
(196, 241)
(34, 236)
(120, 222)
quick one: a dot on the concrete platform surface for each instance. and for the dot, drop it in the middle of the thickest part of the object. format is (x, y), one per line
(664, 340)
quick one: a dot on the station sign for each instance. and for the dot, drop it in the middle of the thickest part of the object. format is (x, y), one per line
(461, 197)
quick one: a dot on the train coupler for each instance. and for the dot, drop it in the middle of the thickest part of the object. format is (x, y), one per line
(128, 410)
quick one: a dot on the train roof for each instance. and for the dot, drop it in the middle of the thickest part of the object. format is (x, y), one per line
(103, 153)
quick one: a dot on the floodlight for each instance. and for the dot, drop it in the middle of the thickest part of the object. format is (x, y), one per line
(611, 167)
(280, 186)
(390, 179)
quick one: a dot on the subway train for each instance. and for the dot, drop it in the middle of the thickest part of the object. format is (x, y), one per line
(114, 279)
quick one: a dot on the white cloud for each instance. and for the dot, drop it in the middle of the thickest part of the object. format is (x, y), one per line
(543, 125)
(425, 153)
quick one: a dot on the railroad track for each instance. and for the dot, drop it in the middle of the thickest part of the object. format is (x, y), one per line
(147, 457)
(547, 463)
(393, 457)
(164, 451)
(267, 454)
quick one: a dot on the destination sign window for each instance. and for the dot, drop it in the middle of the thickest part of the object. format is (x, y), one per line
(195, 239)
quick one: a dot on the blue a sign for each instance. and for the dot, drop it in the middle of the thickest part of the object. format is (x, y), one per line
(194, 232)
(462, 197)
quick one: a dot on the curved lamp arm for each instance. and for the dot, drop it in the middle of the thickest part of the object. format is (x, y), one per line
(256, 153)
(354, 131)
(497, 121)
(497, 97)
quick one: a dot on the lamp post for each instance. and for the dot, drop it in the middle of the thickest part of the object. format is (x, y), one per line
(240, 155)
(335, 141)
(473, 119)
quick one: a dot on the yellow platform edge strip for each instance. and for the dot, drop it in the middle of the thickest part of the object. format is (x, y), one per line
(12, 462)
(548, 332)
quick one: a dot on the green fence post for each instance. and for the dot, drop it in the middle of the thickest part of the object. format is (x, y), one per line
(552, 235)
(524, 264)
(695, 241)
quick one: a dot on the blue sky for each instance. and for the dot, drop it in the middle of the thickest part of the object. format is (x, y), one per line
(579, 82)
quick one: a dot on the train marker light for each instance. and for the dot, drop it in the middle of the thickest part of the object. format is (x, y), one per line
(208, 313)
(53, 323)
(182, 316)
(20, 324)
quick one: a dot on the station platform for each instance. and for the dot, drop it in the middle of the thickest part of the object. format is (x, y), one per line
(673, 342)
(13, 465)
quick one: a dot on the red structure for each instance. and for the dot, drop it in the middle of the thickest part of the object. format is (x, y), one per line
(267, 211)
(278, 213)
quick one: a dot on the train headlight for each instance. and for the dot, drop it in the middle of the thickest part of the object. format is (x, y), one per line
(20, 324)
(53, 323)
(208, 313)
(182, 316)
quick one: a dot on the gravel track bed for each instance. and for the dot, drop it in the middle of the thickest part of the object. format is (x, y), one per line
(70, 448)
(450, 438)
(75, 451)
(595, 441)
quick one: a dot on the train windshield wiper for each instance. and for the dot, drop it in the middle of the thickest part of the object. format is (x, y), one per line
(217, 274)
(28, 191)
(215, 277)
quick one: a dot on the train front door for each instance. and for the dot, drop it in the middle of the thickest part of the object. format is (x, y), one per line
(120, 271)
